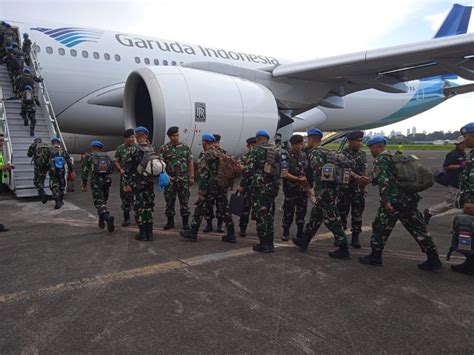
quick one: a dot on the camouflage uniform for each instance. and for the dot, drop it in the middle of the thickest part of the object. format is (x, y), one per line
(28, 111)
(57, 177)
(352, 197)
(100, 183)
(209, 214)
(177, 157)
(245, 183)
(405, 206)
(122, 155)
(40, 169)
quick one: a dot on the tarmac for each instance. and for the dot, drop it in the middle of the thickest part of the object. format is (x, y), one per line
(68, 286)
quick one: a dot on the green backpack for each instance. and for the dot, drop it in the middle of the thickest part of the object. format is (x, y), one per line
(412, 176)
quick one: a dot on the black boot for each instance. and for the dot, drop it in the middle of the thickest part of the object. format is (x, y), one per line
(208, 226)
(25, 121)
(230, 236)
(219, 229)
(374, 258)
(341, 253)
(432, 263)
(4, 228)
(110, 222)
(467, 267)
(355, 240)
(190, 234)
(102, 220)
(58, 203)
(32, 132)
(286, 233)
(149, 231)
(185, 222)
(302, 243)
(126, 218)
(300, 230)
(42, 194)
(170, 223)
(263, 247)
(243, 231)
(141, 236)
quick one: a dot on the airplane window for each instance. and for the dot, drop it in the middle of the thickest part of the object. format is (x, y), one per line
(106, 56)
(61, 51)
(147, 61)
(165, 62)
(73, 52)
(117, 58)
(37, 48)
(96, 55)
(156, 62)
(49, 50)
(173, 63)
(85, 54)
(137, 60)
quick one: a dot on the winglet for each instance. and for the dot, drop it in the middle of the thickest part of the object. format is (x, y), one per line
(456, 23)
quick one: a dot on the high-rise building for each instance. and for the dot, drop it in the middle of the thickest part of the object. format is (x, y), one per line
(413, 131)
(408, 132)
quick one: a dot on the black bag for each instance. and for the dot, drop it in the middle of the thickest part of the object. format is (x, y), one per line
(440, 177)
(236, 204)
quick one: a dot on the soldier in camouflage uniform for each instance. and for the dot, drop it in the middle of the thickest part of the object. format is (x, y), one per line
(396, 204)
(324, 210)
(264, 189)
(122, 155)
(99, 167)
(143, 187)
(40, 168)
(352, 197)
(244, 188)
(180, 168)
(295, 188)
(28, 108)
(57, 159)
(27, 48)
(209, 191)
(465, 199)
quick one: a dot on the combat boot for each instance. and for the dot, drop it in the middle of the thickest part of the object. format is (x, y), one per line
(355, 240)
(25, 121)
(102, 220)
(374, 258)
(208, 226)
(141, 236)
(262, 248)
(149, 231)
(42, 194)
(190, 234)
(3, 228)
(230, 236)
(432, 263)
(286, 233)
(110, 222)
(302, 243)
(300, 230)
(467, 267)
(32, 132)
(341, 253)
(219, 229)
(170, 223)
(126, 218)
(185, 222)
(243, 231)
(58, 203)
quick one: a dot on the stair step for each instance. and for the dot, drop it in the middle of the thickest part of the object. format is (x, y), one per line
(29, 192)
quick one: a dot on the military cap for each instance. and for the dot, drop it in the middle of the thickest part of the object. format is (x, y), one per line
(128, 133)
(141, 129)
(459, 140)
(377, 139)
(314, 132)
(296, 138)
(217, 137)
(469, 128)
(262, 133)
(207, 137)
(251, 140)
(55, 139)
(354, 135)
(172, 130)
(97, 144)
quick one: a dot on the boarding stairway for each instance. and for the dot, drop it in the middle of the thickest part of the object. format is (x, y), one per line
(17, 135)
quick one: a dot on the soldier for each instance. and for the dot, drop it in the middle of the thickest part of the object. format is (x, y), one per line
(180, 168)
(352, 196)
(40, 167)
(465, 198)
(58, 158)
(324, 210)
(313, 141)
(3, 168)
(142, 185)
(295, 188)
(28, 108)
(122, 156)
(99, 166)
(27, 48)
(396, 204)
(209, 191)
(264, 187)
(244, 188)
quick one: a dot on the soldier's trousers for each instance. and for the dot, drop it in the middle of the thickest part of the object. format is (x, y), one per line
(326, 212)
(209, 213)
(202, 204)
(126, 198)
(412, 220)
(178, 189)
(26, 114)
(57, 183)
(263, 203)
(144, 202)
(244, 219)
(39, 177)
(294, 203)
(100, 193)
(351, 199)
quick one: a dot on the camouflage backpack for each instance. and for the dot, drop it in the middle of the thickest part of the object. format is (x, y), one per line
(228, 170)
(411, 175)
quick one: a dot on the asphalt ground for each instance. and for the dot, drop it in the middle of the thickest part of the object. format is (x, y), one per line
(68, 286)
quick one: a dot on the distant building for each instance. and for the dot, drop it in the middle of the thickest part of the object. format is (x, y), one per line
(413, 131)
(408, 132)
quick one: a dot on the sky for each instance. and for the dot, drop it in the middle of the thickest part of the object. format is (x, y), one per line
(295, 30)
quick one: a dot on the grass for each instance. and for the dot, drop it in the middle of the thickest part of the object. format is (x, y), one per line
(393, 147)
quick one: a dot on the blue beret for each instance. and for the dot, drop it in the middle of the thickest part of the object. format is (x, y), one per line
(55, 139)
(141, 129)
(314, 132)
(469, 128)
(262, 133)
(376, 139)
(97, 144)
(208, 137)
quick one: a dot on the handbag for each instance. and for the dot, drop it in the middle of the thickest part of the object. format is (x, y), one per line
(236, 204)
(440, 177)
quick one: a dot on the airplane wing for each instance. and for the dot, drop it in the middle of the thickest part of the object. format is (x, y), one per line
(458, 90)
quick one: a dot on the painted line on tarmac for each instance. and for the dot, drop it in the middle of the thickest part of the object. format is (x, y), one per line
(105, 279)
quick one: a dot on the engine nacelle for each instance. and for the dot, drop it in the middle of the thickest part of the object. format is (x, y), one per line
(198, 101)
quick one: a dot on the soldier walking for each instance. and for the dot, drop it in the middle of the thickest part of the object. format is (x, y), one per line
(57, 160)
(245, 188)
(35, 152)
